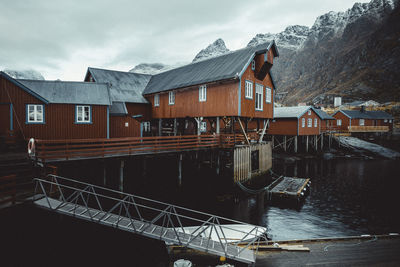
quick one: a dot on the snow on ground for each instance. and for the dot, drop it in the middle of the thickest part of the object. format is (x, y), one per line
(353, 142)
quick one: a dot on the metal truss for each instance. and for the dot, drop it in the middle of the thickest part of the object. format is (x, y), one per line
(155, 219)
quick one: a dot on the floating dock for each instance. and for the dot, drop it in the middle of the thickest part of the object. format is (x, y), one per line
(288, 188)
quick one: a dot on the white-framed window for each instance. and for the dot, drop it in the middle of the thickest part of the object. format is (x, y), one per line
(253, 65)
(248, 90)
(203, 126)
(390, 121)
(309, 112)
(315, 122)
(303, 122)
(83, 114)
(171, 97)
(202, 93)
(339, 122)
(259, 97)
(362, 122)
(34, 113)
(268, 95)
(156, 100)
(146, 126)
(385, 120)
(309, 122)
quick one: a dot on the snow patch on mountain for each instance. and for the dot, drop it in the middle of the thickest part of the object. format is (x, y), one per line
(151, 68)
(215, 49)
(24, 74)
(291, 38)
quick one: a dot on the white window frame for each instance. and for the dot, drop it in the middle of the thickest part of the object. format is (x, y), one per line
(309, 112)
(80, 110)
(202, 93)
(156, 100)
(361, 122)
(303, 122)
(339, 122)
(259, 97)
(253, 64)
(38, 116)
(146, 126)
(268, 95)
(171, 98)
(390, 121)
(248, 90)
(385, 120)
(309, 122)
(315, 122)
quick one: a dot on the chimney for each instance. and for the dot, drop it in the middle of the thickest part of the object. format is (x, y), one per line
(362, 109)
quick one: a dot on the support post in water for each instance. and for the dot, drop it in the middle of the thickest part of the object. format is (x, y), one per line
(121, 176)
(307, 143)
(284, 143)
(295, 144)
(217, 163)
(180, 170)
(322, 141)
(104, 174)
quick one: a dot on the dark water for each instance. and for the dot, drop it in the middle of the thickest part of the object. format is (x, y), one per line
(347, 197)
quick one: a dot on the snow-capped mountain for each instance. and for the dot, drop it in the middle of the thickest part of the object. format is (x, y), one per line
(150, 68)
(215, 49)
(24, 74)
(291, 38)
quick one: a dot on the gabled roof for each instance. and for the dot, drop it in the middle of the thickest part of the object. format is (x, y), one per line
(367, 114)
(59, 92)
(290, 112)
(224, 67)
(322, 114)
(124, 86)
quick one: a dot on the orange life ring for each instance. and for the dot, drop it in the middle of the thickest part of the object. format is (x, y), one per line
(31, 146)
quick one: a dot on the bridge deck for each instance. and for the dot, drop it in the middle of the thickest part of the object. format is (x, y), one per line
(150, 230)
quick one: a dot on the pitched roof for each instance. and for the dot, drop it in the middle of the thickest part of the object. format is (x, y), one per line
(59, 92)
(124, 86)
(227, 66)
(118, 109)
(322, 114)
(367, 114)
(290, 112)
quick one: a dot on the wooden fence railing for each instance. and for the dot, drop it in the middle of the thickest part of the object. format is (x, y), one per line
(55, 150)
(362, 129)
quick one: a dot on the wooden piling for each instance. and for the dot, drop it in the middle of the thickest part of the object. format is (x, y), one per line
(121, 176)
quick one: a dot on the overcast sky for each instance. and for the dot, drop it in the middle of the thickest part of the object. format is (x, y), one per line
(60, 39)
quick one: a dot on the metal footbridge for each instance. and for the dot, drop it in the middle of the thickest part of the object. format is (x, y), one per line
(154, 219)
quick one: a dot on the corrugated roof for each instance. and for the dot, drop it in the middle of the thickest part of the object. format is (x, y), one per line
(322, 114)
(367, 114)
(124, 86)
(60, 92)
(227, 66)
(118, 109)
(290, 112)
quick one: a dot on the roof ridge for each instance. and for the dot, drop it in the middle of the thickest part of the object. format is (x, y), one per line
(55, 81)
(211, 58)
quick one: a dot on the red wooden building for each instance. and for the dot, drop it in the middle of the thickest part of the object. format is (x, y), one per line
(363, 120)
(215, 93)
(292, 122)
(52, 109)
(129, 110)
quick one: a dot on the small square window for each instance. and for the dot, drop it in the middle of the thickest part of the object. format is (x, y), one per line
(309, 112)
(253, 65)
(203, 126)
(83, 114)
(362, 122)
(339, 122)
(35, 113)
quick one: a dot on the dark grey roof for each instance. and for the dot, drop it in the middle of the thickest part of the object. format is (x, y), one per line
(60, 92)
(118, 109)
(367, 114)
(322, 114)
(124, 86)
(227, 66)
(290, 112)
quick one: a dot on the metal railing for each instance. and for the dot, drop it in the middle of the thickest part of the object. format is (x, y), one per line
(152, 218)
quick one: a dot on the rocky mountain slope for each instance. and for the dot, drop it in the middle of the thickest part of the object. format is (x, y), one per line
(215, 49)
(354, 54)
(24, 74)
(151, 68)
